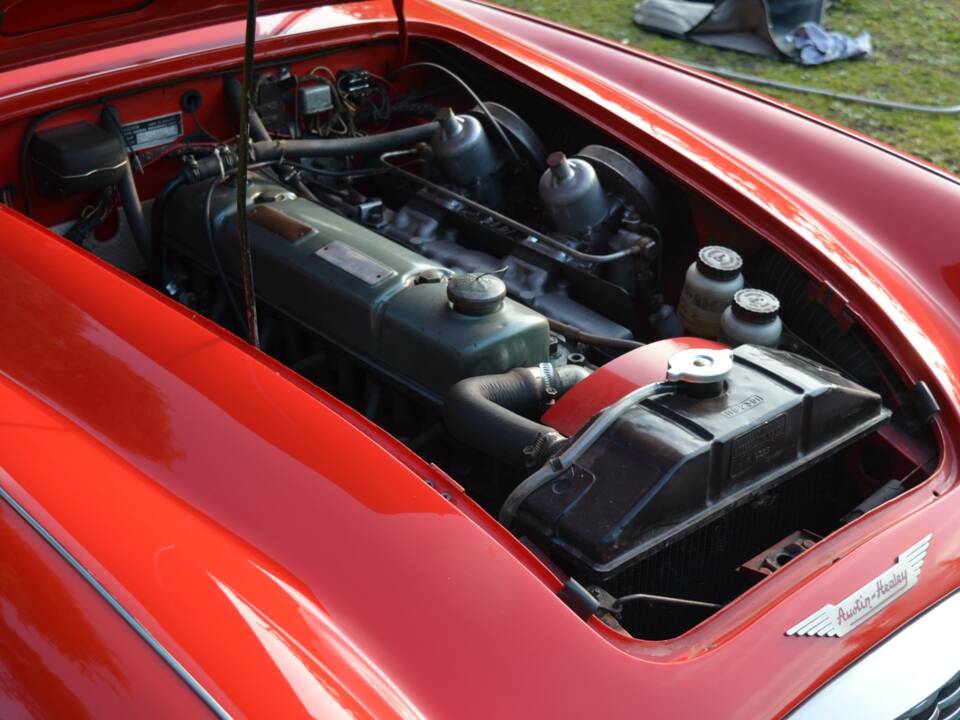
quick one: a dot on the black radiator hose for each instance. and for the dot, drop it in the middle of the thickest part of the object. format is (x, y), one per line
(492, 413)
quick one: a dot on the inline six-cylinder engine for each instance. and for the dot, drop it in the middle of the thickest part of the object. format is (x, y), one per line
(657, 401)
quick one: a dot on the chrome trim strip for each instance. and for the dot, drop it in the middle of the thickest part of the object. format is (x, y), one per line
(907, 668)
(135, 624)
(952, 697)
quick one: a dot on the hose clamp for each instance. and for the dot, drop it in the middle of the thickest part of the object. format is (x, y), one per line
(548, 380)
(219, 157)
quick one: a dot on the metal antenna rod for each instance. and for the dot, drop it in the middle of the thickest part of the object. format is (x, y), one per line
(246, 252)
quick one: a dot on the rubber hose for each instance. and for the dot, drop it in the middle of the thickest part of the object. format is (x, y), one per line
(266, 150)
(809, 90)
(134, 213)
(128, 190)
(574, 333)
(156, 229)
(492, 413)
(258, 131)
(272, 151)
(346, 146)
(234, 92)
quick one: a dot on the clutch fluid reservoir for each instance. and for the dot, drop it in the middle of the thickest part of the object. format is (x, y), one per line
(709, 287)
(572, 193)
(752, 318)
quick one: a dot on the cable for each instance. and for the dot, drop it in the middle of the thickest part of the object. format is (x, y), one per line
(345, 108)
(617, 605)
(246, 252)
(470, 92)
(380, 78)
(862, 99)
(518, 226)
(202, 129)
(147, 158)
(324, 68)
(574, 333)
(296, 106)
(157, 218)
(91, 217)
(359, 172)
(208, 231)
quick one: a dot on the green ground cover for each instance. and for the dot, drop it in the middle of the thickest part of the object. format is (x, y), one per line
(916, 58)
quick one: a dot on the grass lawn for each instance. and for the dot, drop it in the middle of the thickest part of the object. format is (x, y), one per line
(915, 58)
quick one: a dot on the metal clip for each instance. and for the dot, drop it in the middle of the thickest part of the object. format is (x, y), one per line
(223, 170)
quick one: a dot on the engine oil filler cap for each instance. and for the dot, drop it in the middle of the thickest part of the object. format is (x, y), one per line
(476, 293)
(430, 276)
(700, 371)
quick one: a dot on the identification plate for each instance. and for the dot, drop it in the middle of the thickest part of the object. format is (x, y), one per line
(350, 260)
(153, 131)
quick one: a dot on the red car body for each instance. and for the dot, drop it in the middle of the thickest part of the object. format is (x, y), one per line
(297, 560)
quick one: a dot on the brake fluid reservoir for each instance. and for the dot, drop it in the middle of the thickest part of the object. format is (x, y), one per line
(709, 287)
(752, 318)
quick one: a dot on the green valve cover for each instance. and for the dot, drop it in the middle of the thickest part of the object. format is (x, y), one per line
(359, 289)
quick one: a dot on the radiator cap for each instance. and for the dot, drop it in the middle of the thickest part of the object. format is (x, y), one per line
(675, 462)
(700, 371)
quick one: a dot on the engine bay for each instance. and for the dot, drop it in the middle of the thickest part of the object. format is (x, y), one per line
(661, 404)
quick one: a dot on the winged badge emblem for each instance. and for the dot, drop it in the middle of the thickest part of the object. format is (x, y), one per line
(837, 620)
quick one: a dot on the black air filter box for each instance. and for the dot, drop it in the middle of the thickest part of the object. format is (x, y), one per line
(674, 462)
(76, 158)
